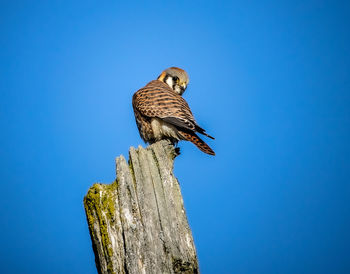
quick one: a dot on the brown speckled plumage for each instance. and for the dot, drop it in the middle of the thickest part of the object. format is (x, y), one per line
(158, 106)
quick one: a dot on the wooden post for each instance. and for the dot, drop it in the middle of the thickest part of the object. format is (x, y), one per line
(138, 223)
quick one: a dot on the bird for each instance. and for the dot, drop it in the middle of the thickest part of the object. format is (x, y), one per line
(162, 113)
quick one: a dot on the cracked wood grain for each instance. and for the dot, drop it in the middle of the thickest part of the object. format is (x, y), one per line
(138, 223)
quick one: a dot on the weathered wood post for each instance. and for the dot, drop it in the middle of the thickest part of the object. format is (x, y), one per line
(138, 223)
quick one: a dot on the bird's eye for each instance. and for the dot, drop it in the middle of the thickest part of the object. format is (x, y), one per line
(176, 79)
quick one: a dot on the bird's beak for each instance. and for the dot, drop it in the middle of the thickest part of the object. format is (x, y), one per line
(182, 88)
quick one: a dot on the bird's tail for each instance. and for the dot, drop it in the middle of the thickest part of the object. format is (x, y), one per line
(192, 137)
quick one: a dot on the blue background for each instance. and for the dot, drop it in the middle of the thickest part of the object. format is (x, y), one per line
(269, 80)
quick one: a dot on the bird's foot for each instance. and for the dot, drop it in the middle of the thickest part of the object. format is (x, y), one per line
(177, 151)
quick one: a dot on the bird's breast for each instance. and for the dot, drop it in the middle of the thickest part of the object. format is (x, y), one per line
(163, 130)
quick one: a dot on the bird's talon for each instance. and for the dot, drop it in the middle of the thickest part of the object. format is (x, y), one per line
(177, 151)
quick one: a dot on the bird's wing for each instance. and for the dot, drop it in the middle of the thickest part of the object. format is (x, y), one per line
(157, 99)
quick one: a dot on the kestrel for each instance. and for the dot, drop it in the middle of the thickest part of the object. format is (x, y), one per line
(162, 113)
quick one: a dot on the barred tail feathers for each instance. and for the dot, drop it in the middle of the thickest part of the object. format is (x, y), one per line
(193, 138)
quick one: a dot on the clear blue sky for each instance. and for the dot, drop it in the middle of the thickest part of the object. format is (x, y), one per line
(269, 80)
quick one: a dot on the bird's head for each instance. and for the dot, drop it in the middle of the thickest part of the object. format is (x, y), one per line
(176, 78)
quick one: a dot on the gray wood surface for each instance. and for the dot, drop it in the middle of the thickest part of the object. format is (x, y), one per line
(138, 223)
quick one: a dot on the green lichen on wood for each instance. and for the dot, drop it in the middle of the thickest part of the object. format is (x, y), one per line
(100, 208)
